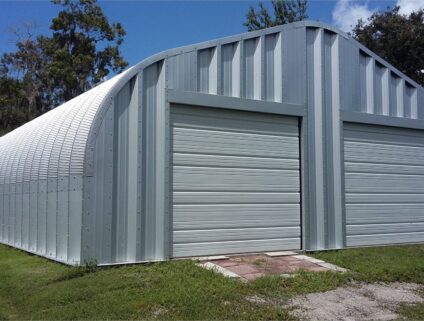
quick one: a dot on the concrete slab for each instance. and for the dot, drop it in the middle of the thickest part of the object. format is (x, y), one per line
(301, 257)
(219, 269)
(210, 258)
(250, 267)
(282, 253)
(332, 267)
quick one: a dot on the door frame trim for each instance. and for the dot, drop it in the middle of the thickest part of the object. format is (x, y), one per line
(176, 97)
(241, 104)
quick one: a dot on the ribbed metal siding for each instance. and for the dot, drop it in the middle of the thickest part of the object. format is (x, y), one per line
(384, 185)
(41, 174)
(235, 182)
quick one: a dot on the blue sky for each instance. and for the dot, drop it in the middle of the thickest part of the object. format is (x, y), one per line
(153, 26)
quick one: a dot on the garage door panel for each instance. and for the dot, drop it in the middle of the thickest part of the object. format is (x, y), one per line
(378, 153)
(223, 179)
(379, 134)
(234, 122)
(393, 228)
(201, 142)
(383, 213)
(382, 198)
(190, 159)
(384, 185)
(235, 215)
(235, 198)
(235, 234)
(382, 168)
(367, 182)
(229, 247)
(382, 239)
(236, 181)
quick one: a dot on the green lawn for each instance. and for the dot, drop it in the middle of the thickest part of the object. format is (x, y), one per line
(35, 288)
(403, 263)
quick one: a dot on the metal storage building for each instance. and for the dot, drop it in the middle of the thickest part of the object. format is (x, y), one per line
(293, 137)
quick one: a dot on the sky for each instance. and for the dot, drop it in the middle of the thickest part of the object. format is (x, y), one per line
(154, 26)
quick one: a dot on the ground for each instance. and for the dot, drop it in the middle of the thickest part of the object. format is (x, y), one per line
(34, 288)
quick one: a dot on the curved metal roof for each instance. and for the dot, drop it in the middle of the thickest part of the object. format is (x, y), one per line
(53, 144)
(56, 143)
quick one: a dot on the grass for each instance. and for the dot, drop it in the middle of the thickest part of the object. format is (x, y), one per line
(411, 312)
(34, 288)
(403, 263)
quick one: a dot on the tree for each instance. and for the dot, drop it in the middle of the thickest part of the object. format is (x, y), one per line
(285, 11)
(77, 62)
(44, 72)
(397, 38)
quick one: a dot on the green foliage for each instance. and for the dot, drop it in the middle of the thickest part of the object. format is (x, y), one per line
(304, 282)
(397, 38)
(410, 312)
(44, 72)
(284, 11)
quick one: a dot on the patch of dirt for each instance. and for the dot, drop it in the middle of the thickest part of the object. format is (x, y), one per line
(256, 299)
(365, 302)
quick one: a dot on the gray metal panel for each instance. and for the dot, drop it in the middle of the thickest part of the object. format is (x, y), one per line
(113, 189)
(16, 198)
(74, 220)
(270, 66)
(363, 62)
(236, 185)
(250, 49)
(150, 78)
(25, 217)
(315, 221)
(183, 71)
(41, 216)
(62, 228)
(227, 65)
(378, 87)
(203, 63)
(349, 76)
(99, 240)
(294, 66)
(384, 185)
(33, 216)
(51, 217)
(11, 208)
(331, 128)
(393, 85)
(420, 102)
(133, 188)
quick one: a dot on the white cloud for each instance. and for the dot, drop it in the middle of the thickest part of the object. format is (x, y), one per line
(347, 13)
(407, 6)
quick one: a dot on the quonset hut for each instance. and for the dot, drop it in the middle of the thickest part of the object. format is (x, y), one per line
(293, 137)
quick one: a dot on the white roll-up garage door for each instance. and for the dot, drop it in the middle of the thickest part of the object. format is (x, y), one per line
(236, 185)
(384, 184)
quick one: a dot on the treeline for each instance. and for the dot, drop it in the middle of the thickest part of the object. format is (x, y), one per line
(46, 71)
(83, 49)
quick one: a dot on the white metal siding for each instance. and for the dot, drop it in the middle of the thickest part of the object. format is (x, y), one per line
(384, 185)
(235, 182)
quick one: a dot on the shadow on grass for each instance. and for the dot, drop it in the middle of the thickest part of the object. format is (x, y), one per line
(77, 272)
